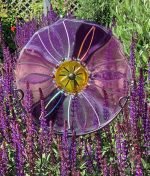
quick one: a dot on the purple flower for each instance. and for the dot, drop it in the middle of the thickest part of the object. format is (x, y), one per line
(73, 153)
(105, 167)
(4, 124)
(52, 16)
(62, 162)
(141, 94)
(64, 153)
(23, 34)
(28, 100)
(19, 149)
(3, 159)
(133, 111)
(73, 60)
(7, 84)
(132, 56)
(66, 145)
(98, 154)
(51, 136)
(30, 143)
(43, 135)
(112, 170)
(139, 169)
(106, 113)
(88, 158)
(121, 150)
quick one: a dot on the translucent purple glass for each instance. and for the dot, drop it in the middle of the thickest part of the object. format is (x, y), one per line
(97, 104)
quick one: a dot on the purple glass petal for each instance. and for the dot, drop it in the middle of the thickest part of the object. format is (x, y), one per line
(35, 78)
(51, 103)
(81, 114)
(89, 37)
(79, 39)
(110, 70)
(55, 42)
(86, 112)
(106, 103)
(37, 71)
(112, 76)
(40, 43)
(109, 54)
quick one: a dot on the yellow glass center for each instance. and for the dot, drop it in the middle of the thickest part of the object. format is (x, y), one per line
(71, 76)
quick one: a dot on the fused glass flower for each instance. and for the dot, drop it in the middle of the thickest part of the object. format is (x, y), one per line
(81, 70)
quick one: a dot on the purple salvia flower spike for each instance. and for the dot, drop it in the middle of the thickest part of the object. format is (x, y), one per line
(43, 136)
(98, 152)
(138, 168)
(149, 71)
(141, 93)
(73, 153)
(106, 106)
(89, 160)
(122, 150)
(65, 143)
(19, 148)
(28, 99)
(111, 170)
(133, 110)
(30, 143)
(52, 15)
(105, 167)
(3, 159)
(147, 131)
(132, 56)
(4, 124)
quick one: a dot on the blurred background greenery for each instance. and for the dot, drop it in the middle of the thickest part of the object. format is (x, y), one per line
(132, 16)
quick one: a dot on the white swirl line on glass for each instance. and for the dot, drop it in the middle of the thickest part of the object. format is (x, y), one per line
(52, 99)
(46, 48)
(34, 64)
(69, 112)
(67, 38)
(91, 107)
(52, 43)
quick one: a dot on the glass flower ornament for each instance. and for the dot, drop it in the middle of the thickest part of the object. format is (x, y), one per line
(81, 70)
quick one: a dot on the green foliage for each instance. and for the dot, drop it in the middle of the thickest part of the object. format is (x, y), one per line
(23, 9)
(36, 8)
(94, 10)
(3, 9)
(131, 16)
(58, 5)
(8, 14)
(8, 35)
(64, 6)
